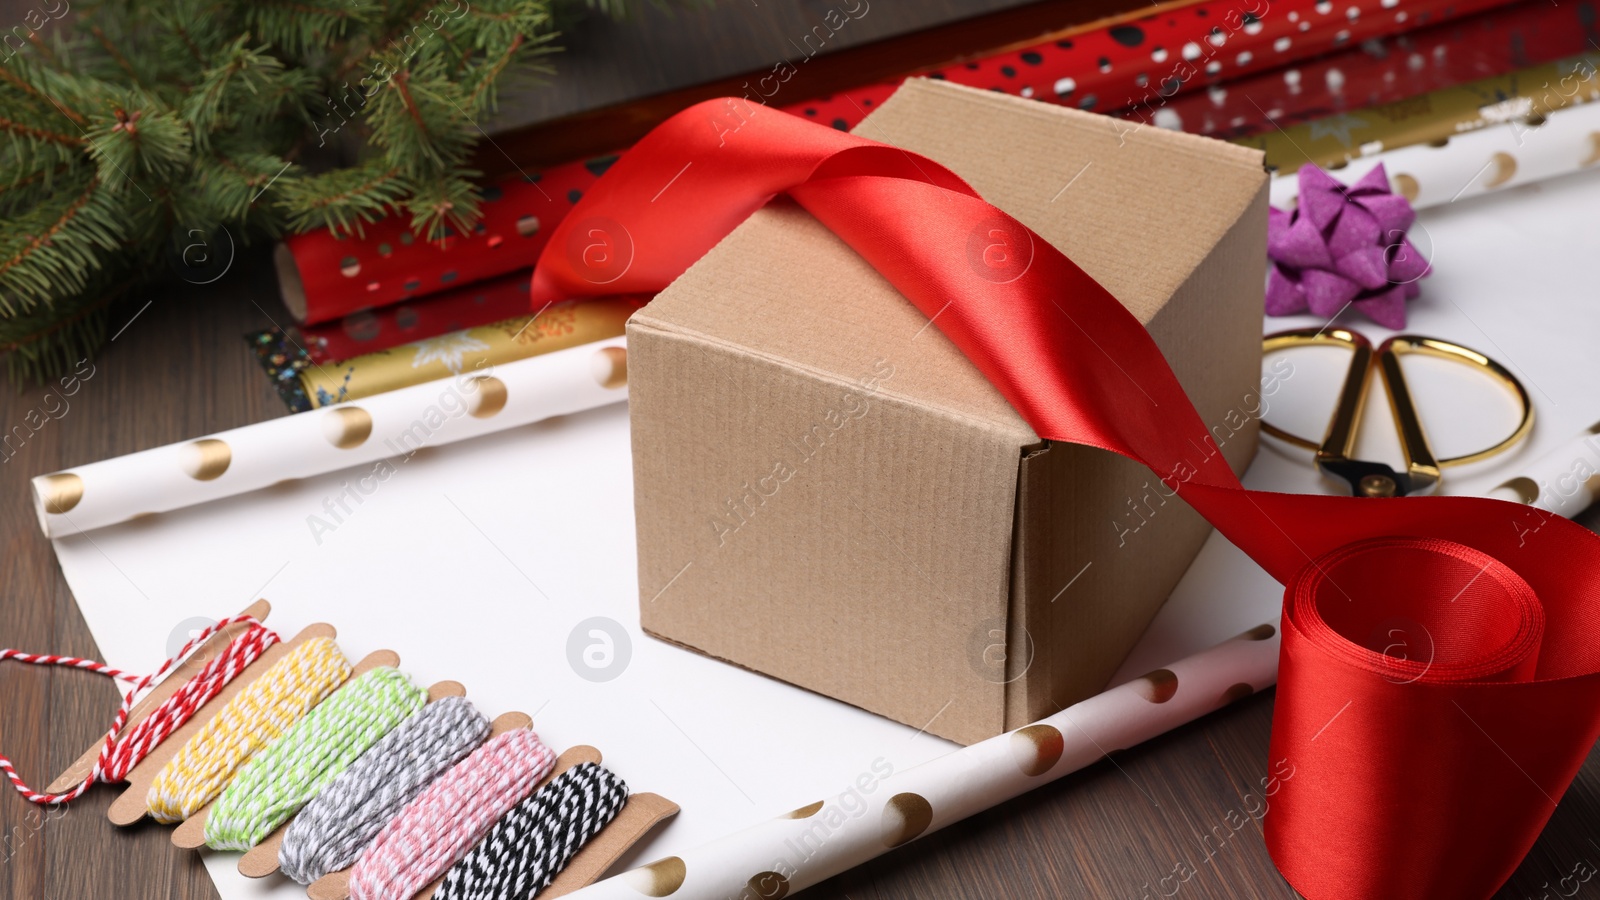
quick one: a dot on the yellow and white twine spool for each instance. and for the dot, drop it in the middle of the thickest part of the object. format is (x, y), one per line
(251, 720)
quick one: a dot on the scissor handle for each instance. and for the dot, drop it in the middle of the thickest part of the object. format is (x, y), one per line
(1407, 424)
(1333, 455)
(1340, 438)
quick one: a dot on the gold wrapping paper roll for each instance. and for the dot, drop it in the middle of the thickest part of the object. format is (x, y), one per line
(1517, 100)
(557, 327)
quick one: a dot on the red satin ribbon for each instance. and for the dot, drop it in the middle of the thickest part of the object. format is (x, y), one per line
(1438, 685)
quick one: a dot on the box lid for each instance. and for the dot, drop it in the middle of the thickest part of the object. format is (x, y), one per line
(1034, 161)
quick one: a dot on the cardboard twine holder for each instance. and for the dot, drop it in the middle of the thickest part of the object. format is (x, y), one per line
(640, 814)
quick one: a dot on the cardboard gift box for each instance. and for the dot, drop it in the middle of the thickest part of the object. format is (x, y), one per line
(829, 493)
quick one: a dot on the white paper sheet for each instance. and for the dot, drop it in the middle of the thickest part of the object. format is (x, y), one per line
(1517, 277)
(476, 561)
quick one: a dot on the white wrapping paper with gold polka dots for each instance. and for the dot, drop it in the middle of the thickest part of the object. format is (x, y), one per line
(387, 426)
(875, 815)
(1487, 160)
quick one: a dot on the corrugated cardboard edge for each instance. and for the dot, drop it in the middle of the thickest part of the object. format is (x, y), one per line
(1022, 436)
(645, 339)
(1239, 364)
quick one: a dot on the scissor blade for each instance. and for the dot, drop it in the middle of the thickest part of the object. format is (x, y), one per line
(1375, 479)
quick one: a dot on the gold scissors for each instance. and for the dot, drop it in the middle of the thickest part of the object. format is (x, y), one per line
(1375, 479)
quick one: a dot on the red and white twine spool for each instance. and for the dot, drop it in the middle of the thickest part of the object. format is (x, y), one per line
(120, 754)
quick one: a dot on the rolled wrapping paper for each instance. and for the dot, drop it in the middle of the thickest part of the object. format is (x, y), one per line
(1132, 63)
(819, 840)
(1518, 99)
(476, 402)
(1477, 162)
(323, 277)
(469, 306)
(1382, 70)
(556, 327)
(1562, 481)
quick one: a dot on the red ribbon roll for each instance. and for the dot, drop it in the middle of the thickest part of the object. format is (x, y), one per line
(1416, 774)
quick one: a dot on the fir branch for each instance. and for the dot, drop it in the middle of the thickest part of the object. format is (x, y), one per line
(25, 190)
(39, 44)
(490, 72)
(343, 200)
(300, 27)
(53, 251)
(22, 182)
(45, 332)
(11, 78)
(192, 114)
(442, 207)
(383, 44)
(194, 51)
(418, 118)
(42, 240)
(55, 339)
(39, 134)
(139, 138)
(116, 56)
(402, 85)
(231, 185)
(237, 89)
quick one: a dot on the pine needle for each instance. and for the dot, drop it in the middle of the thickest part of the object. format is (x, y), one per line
(147, 120)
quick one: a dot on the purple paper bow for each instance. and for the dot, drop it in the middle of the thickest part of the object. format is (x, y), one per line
(1343, 246)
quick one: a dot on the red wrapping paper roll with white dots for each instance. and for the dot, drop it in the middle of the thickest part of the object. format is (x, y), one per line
(323, 277)
(490, 300)
(1133, 64)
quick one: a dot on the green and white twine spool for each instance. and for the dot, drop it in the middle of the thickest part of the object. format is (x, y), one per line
(306, 758)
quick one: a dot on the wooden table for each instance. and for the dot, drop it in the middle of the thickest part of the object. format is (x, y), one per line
(179, 368)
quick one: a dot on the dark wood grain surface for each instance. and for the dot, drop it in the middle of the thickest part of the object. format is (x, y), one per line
(1152, 821)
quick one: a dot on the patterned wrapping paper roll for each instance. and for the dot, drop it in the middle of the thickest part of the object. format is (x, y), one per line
(1137, 63)
(469, 306)
(1477, 162)
(557, 327)
(479, 401)
(1515, 101)
(1381, 71)
(323, 277)
(815, 842)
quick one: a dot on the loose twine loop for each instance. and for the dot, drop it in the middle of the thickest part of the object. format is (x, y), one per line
(118, 755)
